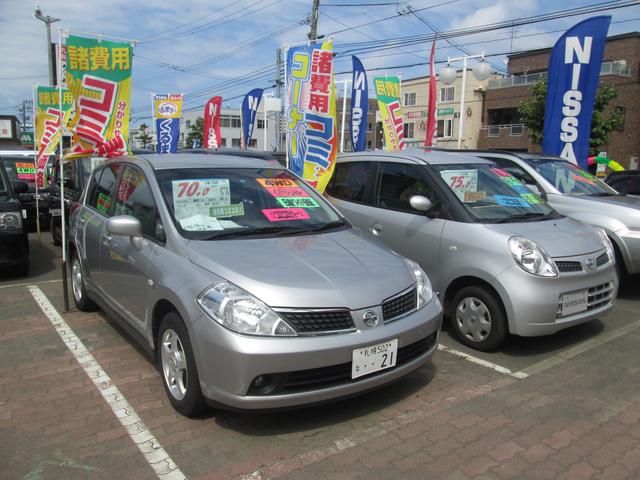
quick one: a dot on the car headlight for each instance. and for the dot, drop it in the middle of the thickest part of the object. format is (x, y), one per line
(423, 285)
(11, 220)
(238, 310)
(531, 257)
(607, 242)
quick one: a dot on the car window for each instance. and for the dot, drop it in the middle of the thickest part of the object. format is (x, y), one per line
(514, 169)
(4, 188)
(102, 197)
(136, 199)
(569, 178)
(20, 169)
(349, 181)
(399, 182)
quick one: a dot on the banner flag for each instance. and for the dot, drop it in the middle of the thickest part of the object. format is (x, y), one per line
(432, 109)
(359, 106)
(248, 114)
(574, 72)
(312, 129)
(212, 137)
(388, 93)
(99, 77)
(167, 111)
(50, 122)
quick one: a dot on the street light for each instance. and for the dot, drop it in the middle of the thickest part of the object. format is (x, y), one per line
(48, 20)
(448, 75)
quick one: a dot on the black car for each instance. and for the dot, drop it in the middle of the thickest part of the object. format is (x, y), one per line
(626, 181)
(14, 242)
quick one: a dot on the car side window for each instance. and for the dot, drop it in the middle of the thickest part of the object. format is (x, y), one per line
(515, 170)
(102, 197)
(134, 197)
(398, 182)
(349, 181)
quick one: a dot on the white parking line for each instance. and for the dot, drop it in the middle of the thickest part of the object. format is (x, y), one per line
(157, 458)
(484, 363)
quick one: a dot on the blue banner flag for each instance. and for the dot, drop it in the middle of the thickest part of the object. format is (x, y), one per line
(248, 114)
(359, 106)
(168, 131)
(574, 71)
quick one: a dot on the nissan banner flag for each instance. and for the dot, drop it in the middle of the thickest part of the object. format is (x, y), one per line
(248, 114)
(574, 72)
(359, 106)
(211, 137)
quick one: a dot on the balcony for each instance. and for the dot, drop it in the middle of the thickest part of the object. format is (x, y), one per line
(512, 130)
(607, 68)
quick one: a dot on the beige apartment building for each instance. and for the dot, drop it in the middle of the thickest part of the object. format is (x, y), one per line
(415, 98)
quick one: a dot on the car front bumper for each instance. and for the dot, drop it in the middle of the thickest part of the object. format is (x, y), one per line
(228, 362)
(14, 248)
(630, 244)
(533, 304)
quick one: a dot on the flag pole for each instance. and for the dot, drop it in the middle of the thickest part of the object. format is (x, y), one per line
(153, 119)
(65, 288)
(35, 160)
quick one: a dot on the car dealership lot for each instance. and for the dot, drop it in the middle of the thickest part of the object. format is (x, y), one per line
(540, 408)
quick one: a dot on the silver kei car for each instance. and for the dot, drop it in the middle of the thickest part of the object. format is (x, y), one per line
(250, 289)
(500, 259)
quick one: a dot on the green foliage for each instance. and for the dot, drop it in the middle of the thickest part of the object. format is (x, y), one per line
(144, 137)
(195, 133)
(532, 115)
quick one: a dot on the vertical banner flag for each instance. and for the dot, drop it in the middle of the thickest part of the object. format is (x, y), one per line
(248, 114)
(99, 77)
(359, 106)
(432, 109)
(211, 137)
(388, 93)
(168, 111)
(311, 113)
(574, 71)
(50, 122)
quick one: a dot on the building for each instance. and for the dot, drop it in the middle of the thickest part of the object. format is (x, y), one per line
(502, 127)
(9, 131)
(374, 131)
(415, 99)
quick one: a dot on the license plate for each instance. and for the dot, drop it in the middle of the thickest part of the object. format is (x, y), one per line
(574, 302)
(55, 212)
(374, 358)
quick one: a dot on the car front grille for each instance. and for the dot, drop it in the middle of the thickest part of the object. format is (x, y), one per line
(334, 375)
(397, 306)
(318, 321)
(600, 295)
(565, 267)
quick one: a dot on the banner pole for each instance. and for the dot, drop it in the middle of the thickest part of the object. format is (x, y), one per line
(286, 105)
(153, 119)
(63, 266)
(344, 114)
(264, 122)
(35, 161)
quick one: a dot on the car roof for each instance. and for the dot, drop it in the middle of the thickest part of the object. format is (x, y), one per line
(16, 153)
(195, 160)
(507, 153)
(427, 156)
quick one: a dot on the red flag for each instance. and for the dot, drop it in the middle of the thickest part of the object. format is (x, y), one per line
(211, 137)
(429, 140)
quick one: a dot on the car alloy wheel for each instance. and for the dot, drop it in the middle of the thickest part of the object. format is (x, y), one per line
(473, 319)
(76, 279)
(174, 364)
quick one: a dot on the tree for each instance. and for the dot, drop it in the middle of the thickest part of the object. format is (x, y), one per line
(195, 134)
(144, 137)
(532, 115)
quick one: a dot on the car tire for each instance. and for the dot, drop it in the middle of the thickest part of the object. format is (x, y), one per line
(177, 365)
(478, 319)
(56, 233)
(80, 297)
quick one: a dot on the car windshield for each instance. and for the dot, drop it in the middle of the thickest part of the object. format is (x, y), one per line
(570, 179)
(4, 188)
(492, 195)
(216, 203)
(20, 169)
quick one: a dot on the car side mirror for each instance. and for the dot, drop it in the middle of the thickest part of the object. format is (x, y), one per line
(21, 187)
(420, 203)
(127, 226)
(533, 187)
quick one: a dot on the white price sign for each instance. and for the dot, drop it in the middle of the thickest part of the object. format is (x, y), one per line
(197, 196)
(461, 181)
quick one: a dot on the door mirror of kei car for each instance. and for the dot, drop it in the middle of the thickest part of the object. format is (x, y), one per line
(420, 203)
(127, 226)
(533, 187)
(21, 187)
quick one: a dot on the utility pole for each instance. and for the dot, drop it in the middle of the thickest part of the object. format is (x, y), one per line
(313, 34)
(48, 20)
(278, 94)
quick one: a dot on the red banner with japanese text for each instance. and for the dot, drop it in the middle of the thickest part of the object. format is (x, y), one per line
(99, 77)
(211, 137)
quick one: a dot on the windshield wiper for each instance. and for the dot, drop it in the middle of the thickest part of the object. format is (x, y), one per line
(523, 216)
(326, 226)
(604, 194)
(276, 231)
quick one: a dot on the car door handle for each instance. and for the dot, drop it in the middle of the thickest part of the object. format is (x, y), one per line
(82, 221)
(375, 228)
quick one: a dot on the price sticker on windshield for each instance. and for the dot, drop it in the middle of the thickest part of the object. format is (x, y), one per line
(196, 196)
(461, 181)
(297, 202)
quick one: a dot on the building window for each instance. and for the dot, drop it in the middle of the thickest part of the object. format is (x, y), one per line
(223, 142)
(188, 123)
(235, 121)
(409, 99)
(235, 142)
(445, 128)
(408, 130)
(369, 126)
(253, 143)
(447, 94)
(368, 144)
(225, 121)
(260, 123)
(623, 112)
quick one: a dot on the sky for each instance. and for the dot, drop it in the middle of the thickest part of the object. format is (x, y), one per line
(204, 48)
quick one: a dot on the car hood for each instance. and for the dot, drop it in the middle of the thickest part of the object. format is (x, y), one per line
(343, 269)
(562, 237)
